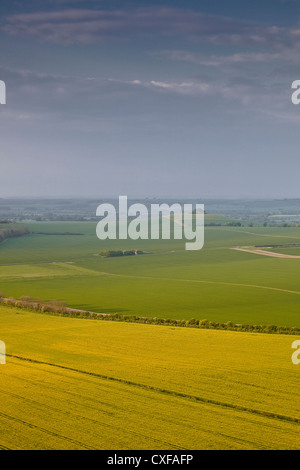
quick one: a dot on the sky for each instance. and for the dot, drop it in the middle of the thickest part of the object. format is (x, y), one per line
(174, 99)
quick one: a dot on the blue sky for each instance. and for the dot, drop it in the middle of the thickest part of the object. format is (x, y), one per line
(149, 98)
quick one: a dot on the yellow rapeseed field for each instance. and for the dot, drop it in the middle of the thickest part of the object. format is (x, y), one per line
(86, 384)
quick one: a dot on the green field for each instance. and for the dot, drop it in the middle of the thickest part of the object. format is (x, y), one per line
(87, 384)
(83, 384)
(215, 283)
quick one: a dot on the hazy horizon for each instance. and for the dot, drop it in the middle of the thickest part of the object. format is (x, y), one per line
(157, 197)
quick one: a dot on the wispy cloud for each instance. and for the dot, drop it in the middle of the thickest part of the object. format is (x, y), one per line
(82, 26)
(189, 87)
(223, 60)
(186, 87)
(42, 96)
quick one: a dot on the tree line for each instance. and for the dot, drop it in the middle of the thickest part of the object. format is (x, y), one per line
(12, 231)
(59, 308)
(114, 253)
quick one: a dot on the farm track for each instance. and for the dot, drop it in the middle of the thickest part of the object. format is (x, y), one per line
(4, 448)
(266, 253)
(94, 422)
(44, 430)
(203, 400)
(78, 271)
(205, 282)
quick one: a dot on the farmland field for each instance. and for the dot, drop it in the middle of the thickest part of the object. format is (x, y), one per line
(83, 384)
(87, 384)
(215, 283)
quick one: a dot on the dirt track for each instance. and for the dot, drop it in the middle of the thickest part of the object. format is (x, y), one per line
(265, 253)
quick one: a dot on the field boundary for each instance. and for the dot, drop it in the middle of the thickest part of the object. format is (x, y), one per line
(57, 308)
(265, 414)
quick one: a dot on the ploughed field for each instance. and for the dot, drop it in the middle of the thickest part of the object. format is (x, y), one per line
(84, 384)
(217, 283)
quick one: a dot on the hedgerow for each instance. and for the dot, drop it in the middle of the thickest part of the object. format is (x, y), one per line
(58, 308)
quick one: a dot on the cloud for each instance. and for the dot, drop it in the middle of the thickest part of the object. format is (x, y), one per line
(249, 93)
(75, 101)
(223, 60)
(191, 87)
(82, 26)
